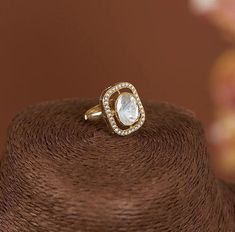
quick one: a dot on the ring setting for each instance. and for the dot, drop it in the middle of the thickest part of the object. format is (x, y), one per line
(121, 108)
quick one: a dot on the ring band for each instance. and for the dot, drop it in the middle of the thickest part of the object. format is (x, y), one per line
(121, 108)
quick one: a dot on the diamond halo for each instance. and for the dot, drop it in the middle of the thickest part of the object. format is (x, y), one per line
(111, 118)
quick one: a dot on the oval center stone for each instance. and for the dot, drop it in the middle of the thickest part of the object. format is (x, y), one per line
(127, 109)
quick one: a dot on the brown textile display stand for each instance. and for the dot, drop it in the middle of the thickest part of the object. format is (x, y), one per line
(60, 173)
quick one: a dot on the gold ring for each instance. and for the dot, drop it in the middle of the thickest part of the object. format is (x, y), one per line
(121, 108)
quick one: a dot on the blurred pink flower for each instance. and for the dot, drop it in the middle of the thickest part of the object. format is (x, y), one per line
(219, 12)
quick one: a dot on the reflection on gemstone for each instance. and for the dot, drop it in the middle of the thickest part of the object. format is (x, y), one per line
(127, 109)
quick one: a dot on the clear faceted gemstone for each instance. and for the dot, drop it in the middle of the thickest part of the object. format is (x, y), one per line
(127, 109)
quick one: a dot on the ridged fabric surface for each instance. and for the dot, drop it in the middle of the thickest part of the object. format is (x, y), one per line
(60, 173)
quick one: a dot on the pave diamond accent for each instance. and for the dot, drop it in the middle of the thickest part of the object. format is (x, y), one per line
(111, 118)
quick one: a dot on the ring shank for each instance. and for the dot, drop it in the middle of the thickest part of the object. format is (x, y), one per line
(94, 113)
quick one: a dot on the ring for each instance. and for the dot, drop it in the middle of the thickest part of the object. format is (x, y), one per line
(121, 108)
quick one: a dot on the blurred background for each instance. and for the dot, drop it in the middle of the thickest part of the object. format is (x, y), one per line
(175, 51)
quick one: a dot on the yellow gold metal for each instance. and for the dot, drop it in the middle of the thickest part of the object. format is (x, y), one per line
(107, 109)
(94, 113)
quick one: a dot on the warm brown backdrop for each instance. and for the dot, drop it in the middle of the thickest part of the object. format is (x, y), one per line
(59, 49)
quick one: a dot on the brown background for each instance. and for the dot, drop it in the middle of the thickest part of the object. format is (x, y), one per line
(63, 49)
